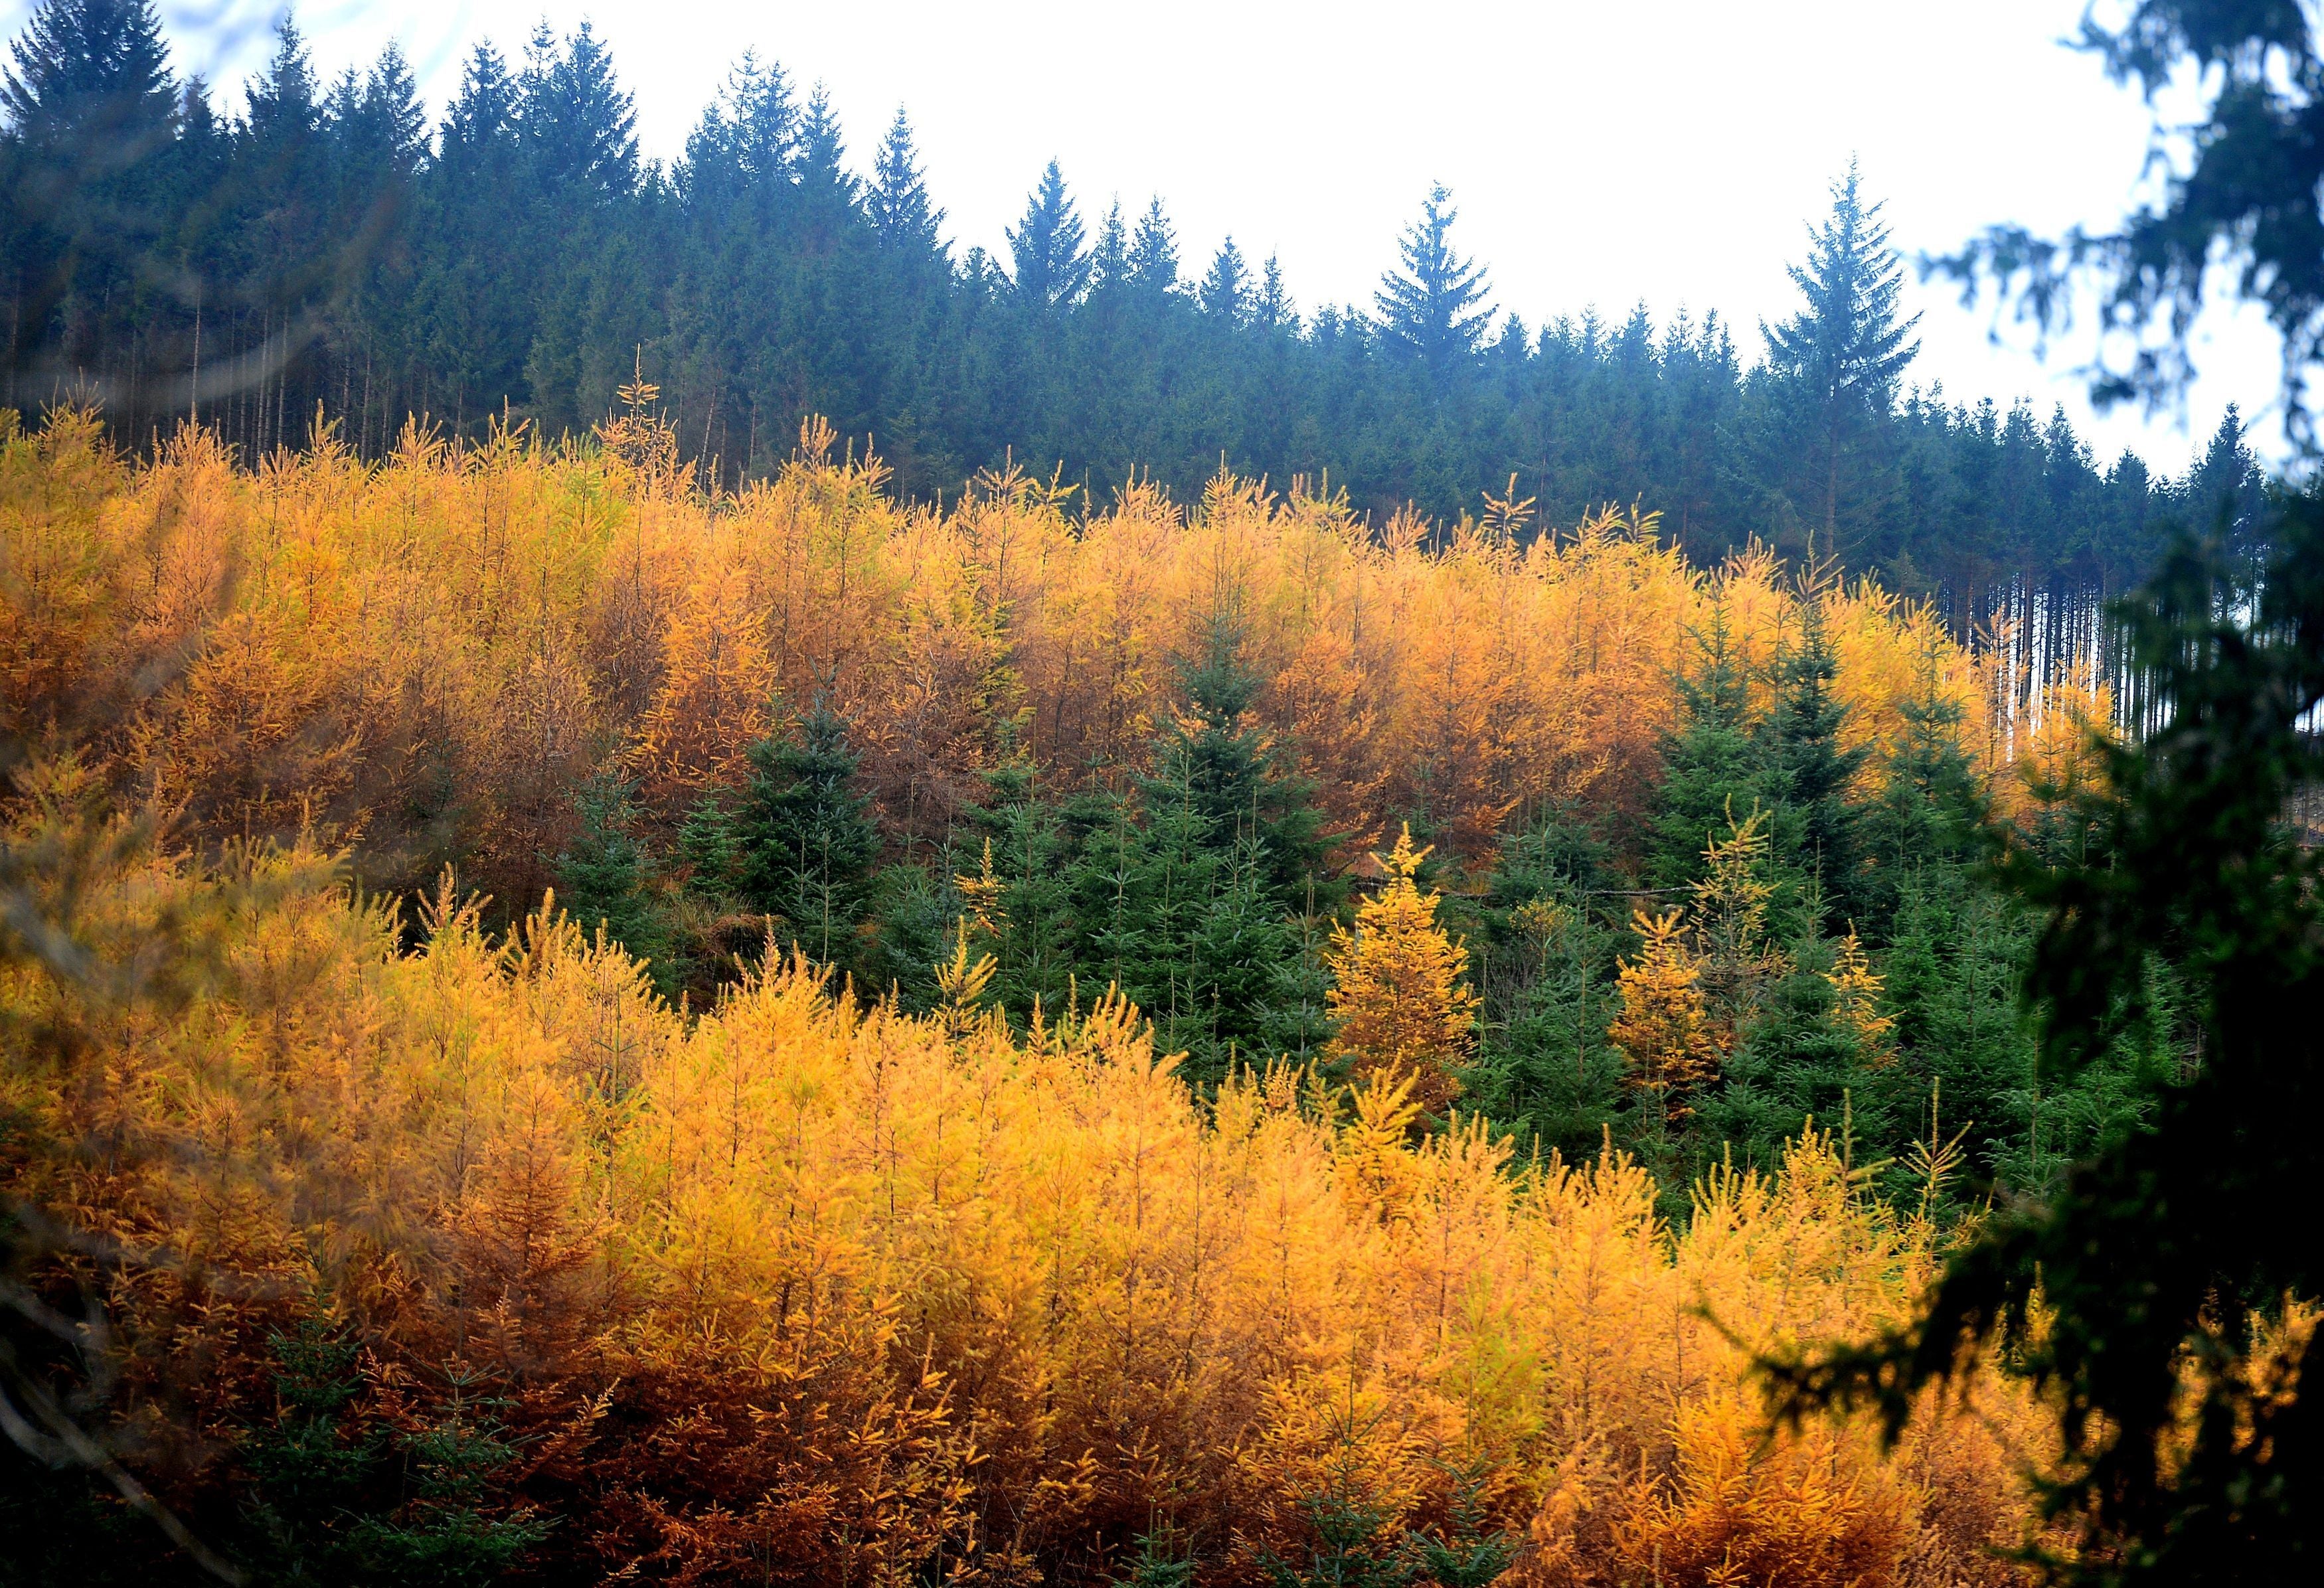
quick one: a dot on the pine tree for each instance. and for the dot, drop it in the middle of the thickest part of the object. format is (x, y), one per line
(807, 837)
(1434, 310)
(1052, 266)
(1397, 998)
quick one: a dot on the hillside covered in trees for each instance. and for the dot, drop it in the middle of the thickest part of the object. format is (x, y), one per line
(646, 948)
(317, 244)
(693, 893)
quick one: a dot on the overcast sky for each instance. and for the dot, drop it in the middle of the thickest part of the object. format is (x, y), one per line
(1667, 151)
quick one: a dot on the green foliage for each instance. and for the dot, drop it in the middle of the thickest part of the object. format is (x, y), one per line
(528, 264)
(1158, 1563)
(1807, 775)
(604, 877)
(1707, 762)
(1543, 961)
(2164, 1259)
(807, 838)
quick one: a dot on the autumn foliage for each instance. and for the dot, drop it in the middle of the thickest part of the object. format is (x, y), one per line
(797, 1292)
(800, 1286)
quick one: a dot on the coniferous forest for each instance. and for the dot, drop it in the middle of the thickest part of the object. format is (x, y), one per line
(693, 891)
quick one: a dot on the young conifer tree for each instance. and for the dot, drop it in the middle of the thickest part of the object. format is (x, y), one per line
(1397, 996)
(808, 840)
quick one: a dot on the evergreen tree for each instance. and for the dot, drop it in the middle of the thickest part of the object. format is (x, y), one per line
(88, 84)
(579, 125)
(1052, 266)
(1808, 773)
(807, 838)
(1225, 291)
(1154, 252)
(1711, 765)
(1224, 769)
(1544, 966)
(604, 877)
(1433, 310)
(1837, 361)
(907, 225)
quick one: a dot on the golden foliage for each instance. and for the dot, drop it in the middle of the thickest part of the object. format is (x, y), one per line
(432, 650)
(1665, 1028)
(798, 1293)
(1399, 1008)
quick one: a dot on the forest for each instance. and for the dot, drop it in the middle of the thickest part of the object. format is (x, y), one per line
(697, 895)
(168, 258)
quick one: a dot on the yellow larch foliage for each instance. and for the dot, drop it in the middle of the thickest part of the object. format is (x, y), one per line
(1398, 1004)
(1665, 1028)
(1856, 989)
(794, 1291)
(353, 642)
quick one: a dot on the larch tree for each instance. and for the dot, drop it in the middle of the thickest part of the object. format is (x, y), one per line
(1397, 996)
(1665, 1027)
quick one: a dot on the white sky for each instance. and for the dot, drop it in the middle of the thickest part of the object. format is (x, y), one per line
(1664, 150)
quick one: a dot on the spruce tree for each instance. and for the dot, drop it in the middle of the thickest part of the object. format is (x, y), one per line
(1154, 252)
(1052, 266)
(897, 202)
(604, 877)
(1225, 291)
(808, 840)
(1836, 362)
(1711, 765)
(1433, 310)
(1807, 774)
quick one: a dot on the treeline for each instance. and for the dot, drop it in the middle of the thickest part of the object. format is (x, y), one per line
(323, 250)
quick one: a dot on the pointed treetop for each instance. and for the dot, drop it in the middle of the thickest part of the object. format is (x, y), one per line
(90, 72)
(1433, 309)
(1154, 250)
(1225, 291)
(1847, 341)
(1052, 266)
(898, 199)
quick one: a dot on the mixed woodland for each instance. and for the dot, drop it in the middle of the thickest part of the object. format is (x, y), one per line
(662, 920)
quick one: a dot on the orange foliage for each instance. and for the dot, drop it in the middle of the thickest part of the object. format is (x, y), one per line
(795, 1293)
(1397, 997)
(433, 650)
